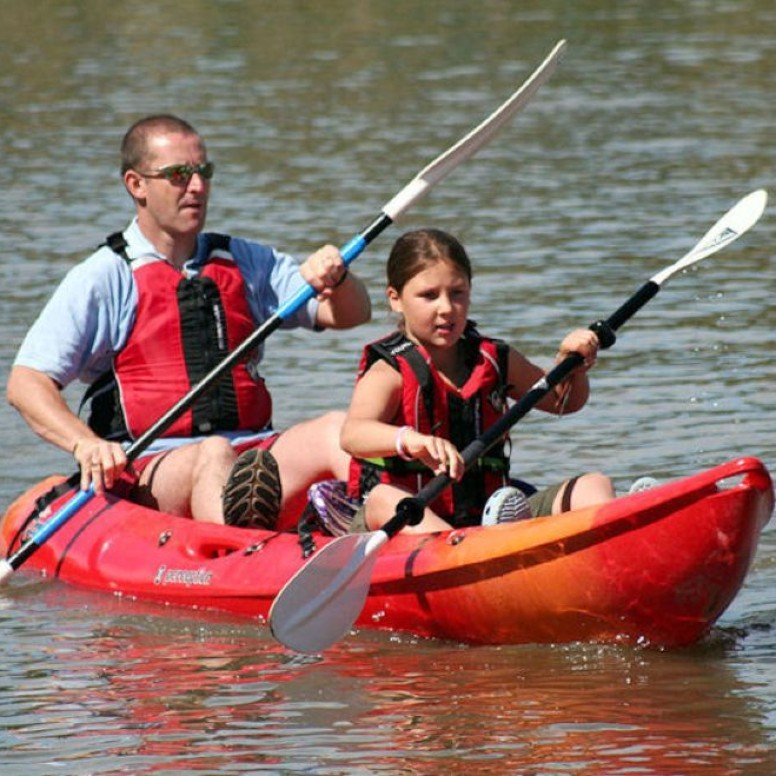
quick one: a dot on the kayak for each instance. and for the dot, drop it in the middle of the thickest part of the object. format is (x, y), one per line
(656, 567)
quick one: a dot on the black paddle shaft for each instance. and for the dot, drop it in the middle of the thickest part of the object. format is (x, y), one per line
(409, 511)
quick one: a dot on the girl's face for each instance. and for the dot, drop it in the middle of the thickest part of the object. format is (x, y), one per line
(434, 304)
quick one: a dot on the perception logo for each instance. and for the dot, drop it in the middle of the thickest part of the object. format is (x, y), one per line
(186, 577)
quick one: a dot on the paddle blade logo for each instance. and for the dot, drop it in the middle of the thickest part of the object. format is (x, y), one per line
(726, 236)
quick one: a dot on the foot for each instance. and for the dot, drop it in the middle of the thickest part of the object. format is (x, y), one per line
(252, 494)
(643, 483)
(506, 505)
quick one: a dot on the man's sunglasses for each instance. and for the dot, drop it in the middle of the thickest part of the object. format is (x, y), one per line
(181, 174)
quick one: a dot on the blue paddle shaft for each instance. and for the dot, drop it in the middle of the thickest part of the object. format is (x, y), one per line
(50, 527)
(350, 251)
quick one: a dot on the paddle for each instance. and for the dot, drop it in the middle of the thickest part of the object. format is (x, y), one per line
(320, 603)
(428, 177)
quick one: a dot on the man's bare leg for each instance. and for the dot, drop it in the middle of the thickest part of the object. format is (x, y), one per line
(309, 452)
(189, 480)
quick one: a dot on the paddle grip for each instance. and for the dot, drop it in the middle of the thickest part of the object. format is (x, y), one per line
(632, 306)
(605, 334)
(409, 511)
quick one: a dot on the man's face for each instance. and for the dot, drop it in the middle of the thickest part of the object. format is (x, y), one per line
(173, 208)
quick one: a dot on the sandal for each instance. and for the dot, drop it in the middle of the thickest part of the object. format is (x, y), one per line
(252, 494)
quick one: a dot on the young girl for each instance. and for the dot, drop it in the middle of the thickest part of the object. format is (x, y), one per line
(426, 391)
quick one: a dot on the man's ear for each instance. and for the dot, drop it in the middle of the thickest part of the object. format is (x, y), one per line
(135, 184)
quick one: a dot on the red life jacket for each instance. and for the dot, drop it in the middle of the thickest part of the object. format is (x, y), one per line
(431, 405)
(183, 328)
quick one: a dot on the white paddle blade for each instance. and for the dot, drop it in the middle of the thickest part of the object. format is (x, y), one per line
(320, 603)
(6, 570)
(738, 220)
(481, 135)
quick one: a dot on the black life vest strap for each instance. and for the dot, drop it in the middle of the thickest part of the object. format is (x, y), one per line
(104, 381)
(308, 524)
(213, 241)
(398, 344)
(118, 244)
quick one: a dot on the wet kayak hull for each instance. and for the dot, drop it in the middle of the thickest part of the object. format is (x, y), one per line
(657, 567)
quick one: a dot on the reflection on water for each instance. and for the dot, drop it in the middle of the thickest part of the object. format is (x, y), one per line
(148, 694)
(658, 119)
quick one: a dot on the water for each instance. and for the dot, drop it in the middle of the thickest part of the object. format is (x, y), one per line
(659, 119)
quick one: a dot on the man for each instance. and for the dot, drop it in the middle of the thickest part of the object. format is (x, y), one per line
(145, 317)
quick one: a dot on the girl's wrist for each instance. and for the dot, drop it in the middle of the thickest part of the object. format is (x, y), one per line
(399, 443)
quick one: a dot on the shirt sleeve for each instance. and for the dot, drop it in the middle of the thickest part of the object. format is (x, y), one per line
(85, 322)
(272, 278)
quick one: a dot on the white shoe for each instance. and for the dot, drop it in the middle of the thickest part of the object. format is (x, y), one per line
(506, 505)
(643, 483)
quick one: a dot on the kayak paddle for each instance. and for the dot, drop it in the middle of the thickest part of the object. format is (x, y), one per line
(320, 603)
(428, 177)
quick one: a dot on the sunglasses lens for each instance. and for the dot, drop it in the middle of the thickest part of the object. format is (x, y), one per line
(180, 174)
(177, 174)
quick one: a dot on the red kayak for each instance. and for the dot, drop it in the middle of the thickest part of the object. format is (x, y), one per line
(657, 567)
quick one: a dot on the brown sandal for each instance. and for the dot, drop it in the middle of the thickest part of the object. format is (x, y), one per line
(252, 493)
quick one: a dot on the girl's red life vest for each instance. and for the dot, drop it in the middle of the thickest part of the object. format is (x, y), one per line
(431, 405)
(183, 328)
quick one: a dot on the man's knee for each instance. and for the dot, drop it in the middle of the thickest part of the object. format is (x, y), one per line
(212, 451)
(332, 422)
(323, 430)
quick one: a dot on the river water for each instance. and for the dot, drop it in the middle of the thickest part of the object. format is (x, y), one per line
(658, 120)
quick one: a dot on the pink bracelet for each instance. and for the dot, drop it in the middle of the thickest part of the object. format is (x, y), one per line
(400, 451)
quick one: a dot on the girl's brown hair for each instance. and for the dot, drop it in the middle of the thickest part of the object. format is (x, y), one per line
(416, 250)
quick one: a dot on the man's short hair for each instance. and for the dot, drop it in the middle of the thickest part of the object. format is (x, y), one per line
(134, 146)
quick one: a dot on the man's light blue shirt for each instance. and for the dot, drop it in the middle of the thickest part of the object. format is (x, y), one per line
(89, 317)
